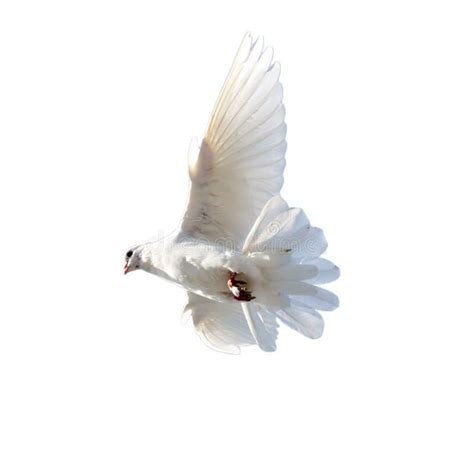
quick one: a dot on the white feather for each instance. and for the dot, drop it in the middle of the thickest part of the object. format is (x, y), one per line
(228, 326)
(308, 323)
(219, 325)
(264, 339)
(241, 159)
(237, 222)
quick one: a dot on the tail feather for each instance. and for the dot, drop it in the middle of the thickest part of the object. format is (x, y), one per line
(302, 272)
(309, 295)
(262, 336)
(310, 324)
(287, 250)
(326, 271)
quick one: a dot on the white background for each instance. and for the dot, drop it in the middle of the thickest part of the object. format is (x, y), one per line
(99, 101)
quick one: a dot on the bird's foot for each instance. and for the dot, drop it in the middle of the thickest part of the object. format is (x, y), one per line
(239, 288)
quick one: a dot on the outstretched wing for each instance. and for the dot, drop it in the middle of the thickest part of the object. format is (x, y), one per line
(240, 164)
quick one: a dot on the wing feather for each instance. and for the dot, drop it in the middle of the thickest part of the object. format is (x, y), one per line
(224, 326)
(241, 159)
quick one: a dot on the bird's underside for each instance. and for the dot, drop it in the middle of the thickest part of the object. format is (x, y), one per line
(235, 205)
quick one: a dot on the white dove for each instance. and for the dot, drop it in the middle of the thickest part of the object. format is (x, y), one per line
(246, 259)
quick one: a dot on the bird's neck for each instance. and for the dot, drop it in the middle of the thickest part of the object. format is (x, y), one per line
(152, 257)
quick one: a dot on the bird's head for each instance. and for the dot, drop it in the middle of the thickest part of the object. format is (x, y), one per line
(132, 260)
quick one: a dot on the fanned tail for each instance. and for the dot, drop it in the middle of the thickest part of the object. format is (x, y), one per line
(286, 249)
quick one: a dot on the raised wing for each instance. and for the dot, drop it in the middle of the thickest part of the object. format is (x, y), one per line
(240, 164)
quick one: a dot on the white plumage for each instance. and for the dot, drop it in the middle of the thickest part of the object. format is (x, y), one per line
(242, 157)
(238, 227)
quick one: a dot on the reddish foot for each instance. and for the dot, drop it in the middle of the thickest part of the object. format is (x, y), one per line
(239, 288)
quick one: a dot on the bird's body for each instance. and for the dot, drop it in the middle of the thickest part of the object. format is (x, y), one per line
(246, 259)
(195, 264)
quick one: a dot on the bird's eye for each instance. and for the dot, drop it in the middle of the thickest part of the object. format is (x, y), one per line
(129, 253)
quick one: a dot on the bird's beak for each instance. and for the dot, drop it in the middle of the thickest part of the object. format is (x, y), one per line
(125, 269)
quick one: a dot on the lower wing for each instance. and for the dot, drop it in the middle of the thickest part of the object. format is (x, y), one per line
(225, 326)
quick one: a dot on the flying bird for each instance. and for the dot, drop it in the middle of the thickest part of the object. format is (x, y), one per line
(246, 259)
